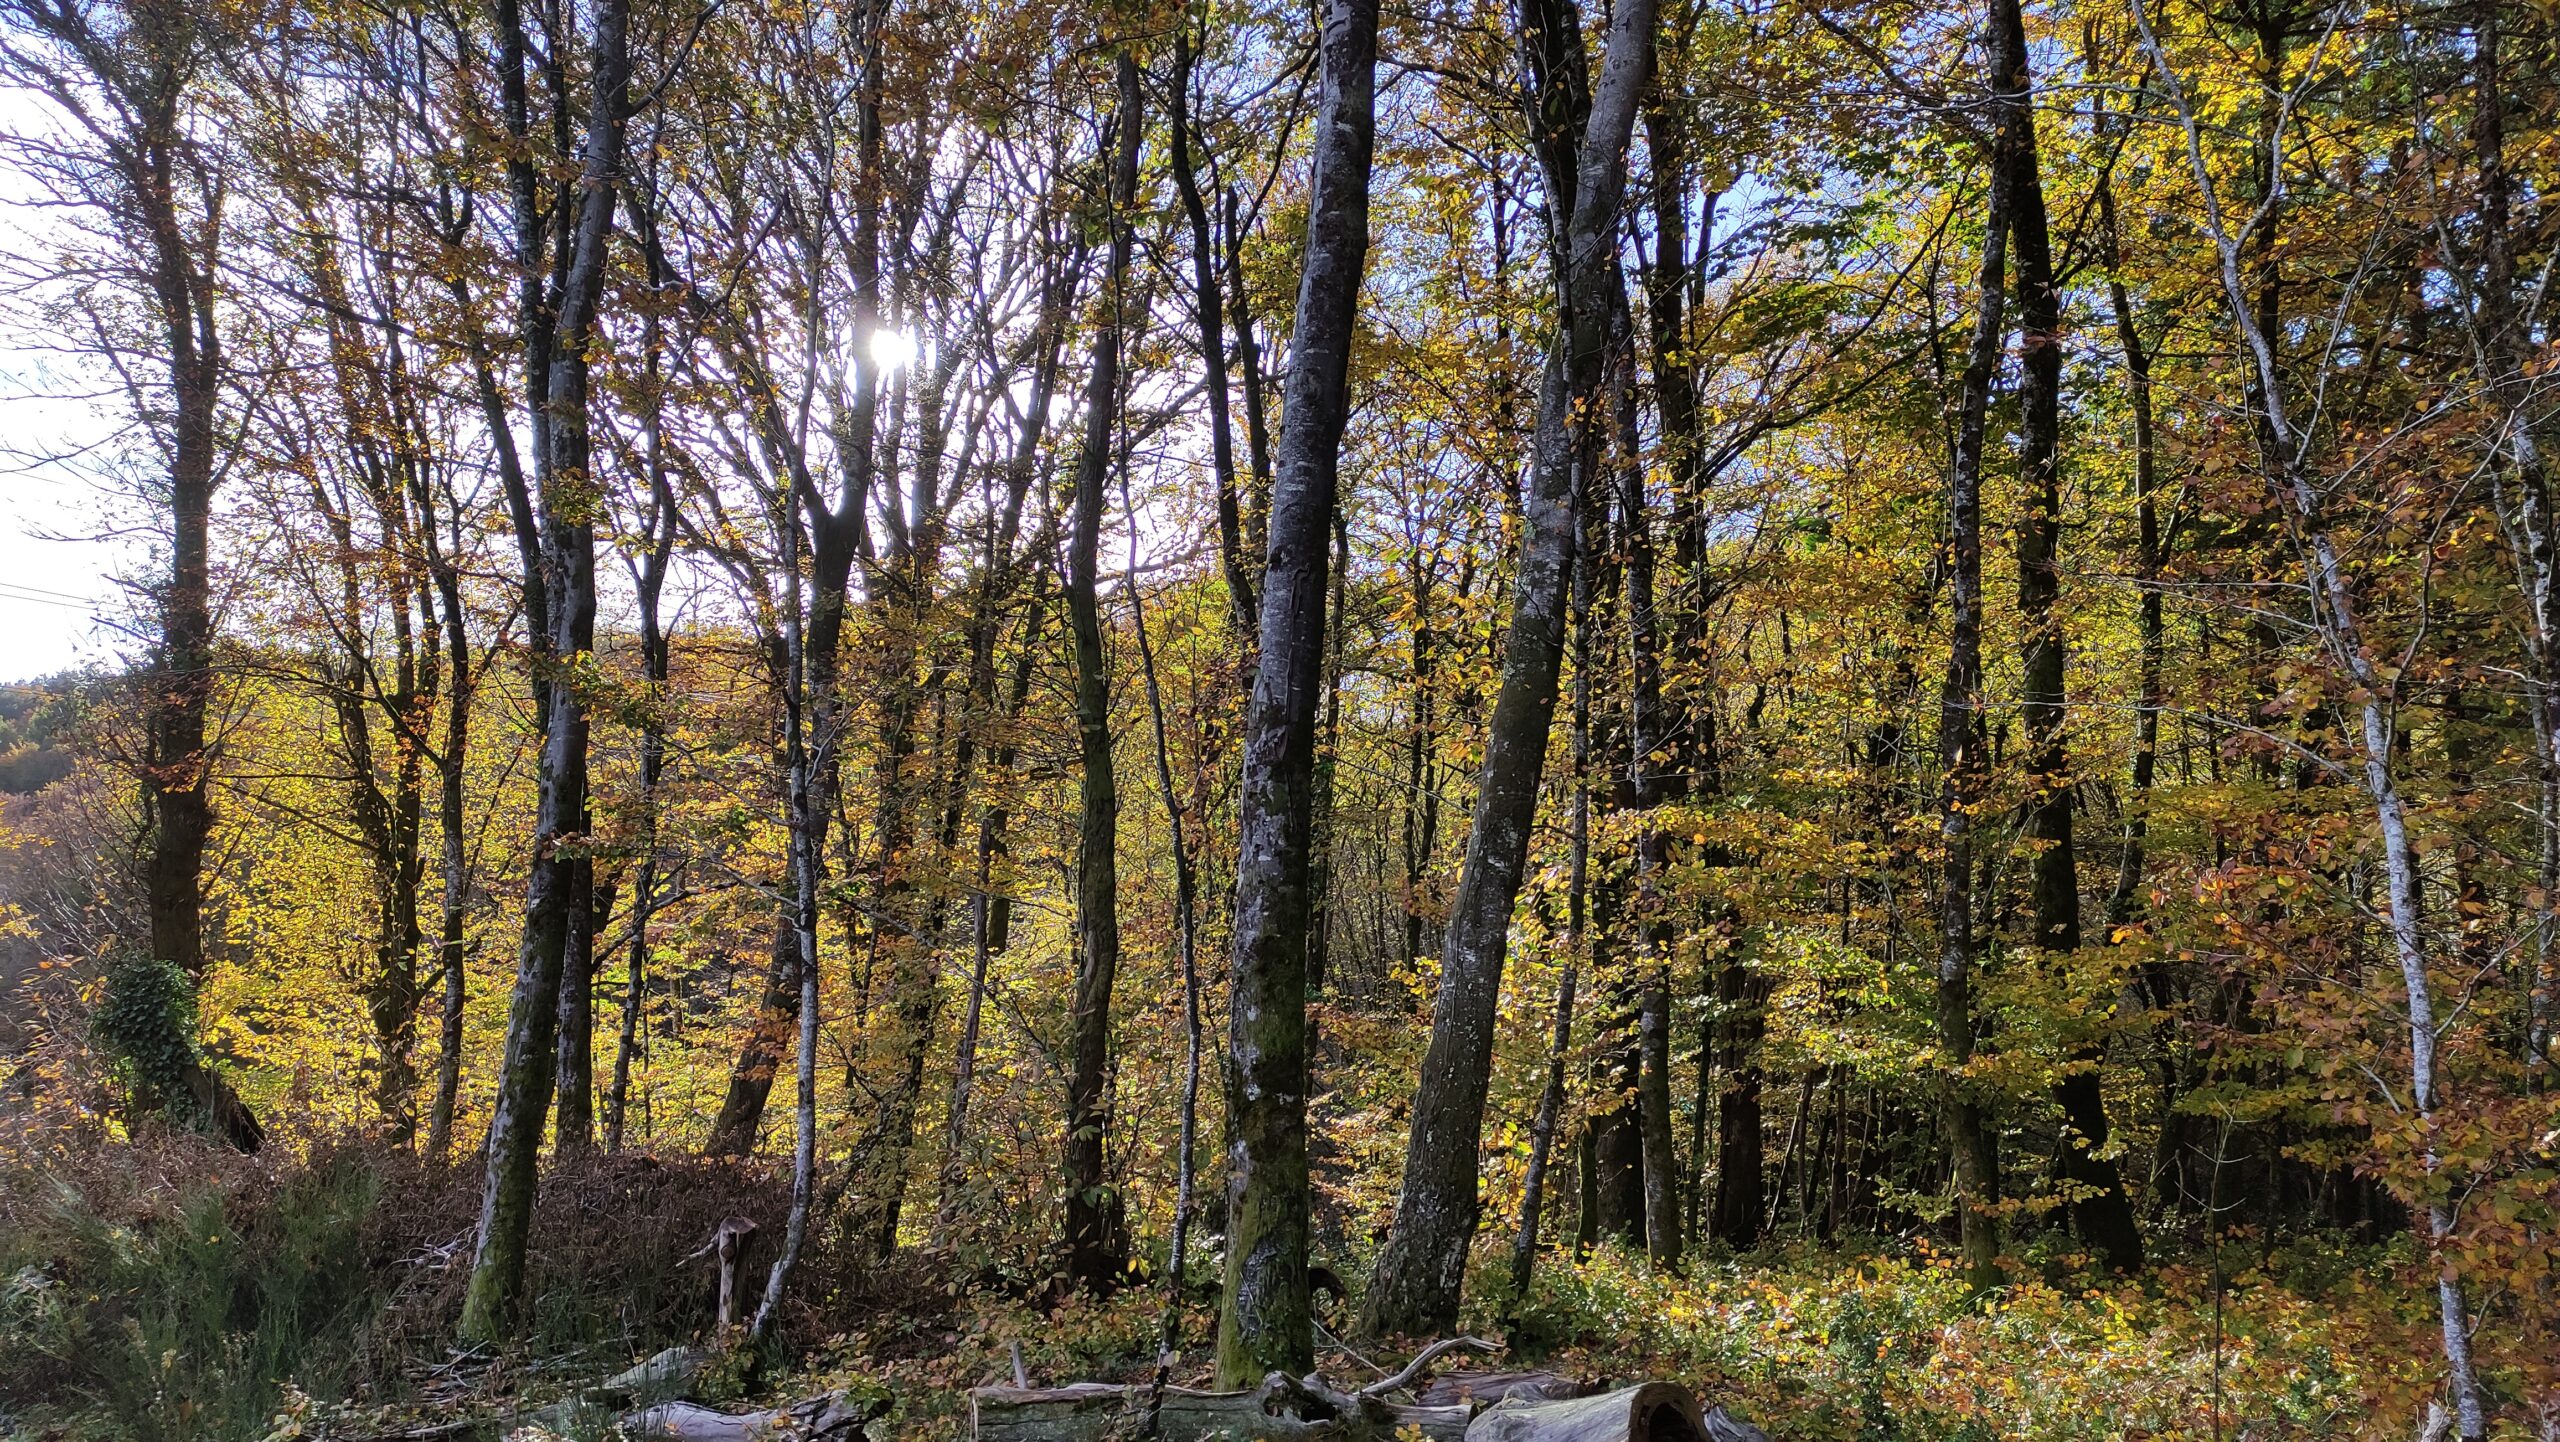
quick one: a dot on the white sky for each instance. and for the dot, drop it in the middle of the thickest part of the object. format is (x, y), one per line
(56, 569)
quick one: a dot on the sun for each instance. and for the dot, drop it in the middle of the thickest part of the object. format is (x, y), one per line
(892, 350)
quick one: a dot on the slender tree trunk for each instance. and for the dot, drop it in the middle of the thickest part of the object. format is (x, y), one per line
(2526, 506)
(2337, 619)
(657, 666)
(1961, 742)
(1741, 1171)
(809, 728)
(1320, 841)
(451, 820)
(1186, 901)
(1616, 1121)
(1257, 428)
(990, 910)
(1097, 1241)
(1419, 832)
(568, 577)
(1208, 311)
(991, 924)
(1542, 1129)
(1654, 779)
(909, 595)
(741, 1114)
(1265, 1320)
(2100, 1211)
(573, 1087)
(1542, 1133)
(156, 160)
(1420, 1271)
(2125, 902)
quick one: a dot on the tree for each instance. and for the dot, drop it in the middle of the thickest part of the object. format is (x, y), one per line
(1963, 744)
(1097, 1240)
(130, 84)
(1583, 144)
(2099, 1209)
(559, 323)
(1264, 1318)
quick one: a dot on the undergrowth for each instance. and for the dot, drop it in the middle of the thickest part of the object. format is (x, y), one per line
(166, 1290)
(162, 1290)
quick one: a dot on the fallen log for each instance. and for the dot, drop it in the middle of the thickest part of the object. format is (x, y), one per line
(819, 1419)
(1282, 1409)
(1483, 1389)
(1647, 1412)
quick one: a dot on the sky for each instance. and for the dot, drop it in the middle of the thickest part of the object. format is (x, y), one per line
(58, 557)
(59, 563)
(57, 566)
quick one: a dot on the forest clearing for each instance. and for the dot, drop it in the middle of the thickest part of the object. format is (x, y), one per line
(1465, 721)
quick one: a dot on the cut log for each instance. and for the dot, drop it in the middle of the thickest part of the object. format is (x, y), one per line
(669, 1372)
(1282, 1409)
(1484, 1389)
(1723, 1426)
(819, 1419)
(1649, 1412)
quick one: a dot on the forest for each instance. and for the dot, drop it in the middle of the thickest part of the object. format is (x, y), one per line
(1852, 703)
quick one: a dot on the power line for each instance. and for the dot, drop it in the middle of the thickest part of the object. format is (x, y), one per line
(9, 592)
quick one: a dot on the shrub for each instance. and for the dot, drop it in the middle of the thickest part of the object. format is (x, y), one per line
(184, 1323)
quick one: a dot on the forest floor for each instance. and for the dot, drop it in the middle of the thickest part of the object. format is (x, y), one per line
(168, 1292)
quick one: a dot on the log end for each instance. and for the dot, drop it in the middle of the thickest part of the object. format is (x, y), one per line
(1647, 1412)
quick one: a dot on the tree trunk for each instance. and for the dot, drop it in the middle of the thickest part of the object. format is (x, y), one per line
(574, 1074)
(1208, 312)
(1265, 1321)
(1961, 755)
(990, 910)
(741, 1114)
(2100, 1212)
(1420, 828)
(656, 666)
(1741, 1180)
(2340, 629)
(1653, 779)
(1616, 1123)
(1328, 755)
(1257, 428)
(568, 579)
(1097, 1241)
(158, 162)
(1186, 901)
(2503, 344)
(1420, 1271)
(452, 828)
(915, 921)
(1542, 1133)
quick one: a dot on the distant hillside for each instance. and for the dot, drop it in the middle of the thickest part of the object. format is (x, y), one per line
(36, 719)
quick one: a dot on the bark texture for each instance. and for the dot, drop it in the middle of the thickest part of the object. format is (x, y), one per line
(556, 352)
(1416, 1285)
(1265, 1322)
(1097, 1245)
